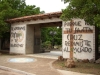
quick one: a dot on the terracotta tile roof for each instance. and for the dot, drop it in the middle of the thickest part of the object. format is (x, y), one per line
(35, 17)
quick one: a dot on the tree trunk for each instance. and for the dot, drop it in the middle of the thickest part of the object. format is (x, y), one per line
(0, 43)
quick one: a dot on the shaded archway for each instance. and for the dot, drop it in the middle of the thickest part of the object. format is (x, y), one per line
(33, 36)
(51, 37)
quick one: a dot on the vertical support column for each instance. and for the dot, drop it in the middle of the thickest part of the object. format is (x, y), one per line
(37, 39)
(30, 39)
(18, 39)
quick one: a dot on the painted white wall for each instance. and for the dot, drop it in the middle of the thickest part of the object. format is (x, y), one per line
(18, 38)
(84, 38)
(19, 49)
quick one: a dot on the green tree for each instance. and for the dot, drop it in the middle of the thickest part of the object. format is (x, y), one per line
(46, 36)
(12, 9)
(89, 10)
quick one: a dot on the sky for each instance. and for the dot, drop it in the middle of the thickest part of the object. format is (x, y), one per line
(47, 5)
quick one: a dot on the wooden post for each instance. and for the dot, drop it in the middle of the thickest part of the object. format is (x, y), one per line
(71, 39)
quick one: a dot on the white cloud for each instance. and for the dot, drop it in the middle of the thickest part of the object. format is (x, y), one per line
(47, 5)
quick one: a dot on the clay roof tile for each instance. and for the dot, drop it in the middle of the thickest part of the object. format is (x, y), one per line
(35, 17)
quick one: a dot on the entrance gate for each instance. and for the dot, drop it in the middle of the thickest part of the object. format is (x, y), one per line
(26, 30)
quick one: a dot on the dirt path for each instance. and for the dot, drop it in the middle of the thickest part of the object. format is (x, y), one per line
(4, 72)
(43, 66)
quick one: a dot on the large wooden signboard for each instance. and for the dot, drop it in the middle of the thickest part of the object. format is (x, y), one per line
(78, 39)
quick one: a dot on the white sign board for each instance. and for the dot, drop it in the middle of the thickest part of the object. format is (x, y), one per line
(17, 39)
(77, 39)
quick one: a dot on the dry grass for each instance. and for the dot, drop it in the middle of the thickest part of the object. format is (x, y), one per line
(81, 67)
